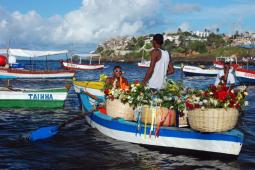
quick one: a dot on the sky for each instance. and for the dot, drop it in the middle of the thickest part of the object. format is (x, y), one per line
(58, 24)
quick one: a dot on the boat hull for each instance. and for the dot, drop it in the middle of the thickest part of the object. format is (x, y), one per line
(27, 74)
(33, 99)
(196, 71)
(245, 76)
(171, 137)
(72, 66)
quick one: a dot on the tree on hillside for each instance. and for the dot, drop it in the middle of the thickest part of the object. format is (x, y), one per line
(179, 30)
(215, 41)
(99, 49)
(197, 46)
(168, 45)
(217, 30)
(140, 41)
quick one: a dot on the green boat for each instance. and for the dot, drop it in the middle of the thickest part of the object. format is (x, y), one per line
(30, 98)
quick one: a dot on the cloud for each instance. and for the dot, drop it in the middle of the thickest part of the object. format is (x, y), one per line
(184, 26)
(180, 8)
(94, 21)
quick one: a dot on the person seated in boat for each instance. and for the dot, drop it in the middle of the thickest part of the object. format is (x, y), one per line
(117, 81)
(160, 66)
(225, 76)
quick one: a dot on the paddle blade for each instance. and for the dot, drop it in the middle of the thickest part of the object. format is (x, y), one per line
(43, 133)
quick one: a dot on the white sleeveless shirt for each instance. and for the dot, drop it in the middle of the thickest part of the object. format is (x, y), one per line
(159, 75)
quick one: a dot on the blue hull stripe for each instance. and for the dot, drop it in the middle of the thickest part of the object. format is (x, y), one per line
(128, 126)
(246, 80)
(198, 74)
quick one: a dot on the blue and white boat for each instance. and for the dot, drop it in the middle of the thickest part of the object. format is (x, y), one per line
(197, 71)
(170, 137)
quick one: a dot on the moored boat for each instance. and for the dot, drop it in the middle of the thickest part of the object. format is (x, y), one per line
(70, 65)
(93, 87)
(8, 72)
(11, 73)
(171, 137)
(219, 62)
(245, 76)
(31, 98)
(197, 71)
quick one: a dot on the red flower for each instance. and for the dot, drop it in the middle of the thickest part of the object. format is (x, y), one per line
(223, 87)
(206, 93)
(106, 91)
(189, 105)
(232, 95)
(222, 95)
(238, 106)
(136, 82)
(212, 87)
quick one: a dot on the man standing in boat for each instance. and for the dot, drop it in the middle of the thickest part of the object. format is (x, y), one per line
(226, 77)
(160, 66)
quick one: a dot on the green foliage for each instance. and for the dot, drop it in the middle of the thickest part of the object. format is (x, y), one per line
(148, 46)
(168, 45)
(179, 50)
(215, 40)
(197, 46)
(99, 49)
(107, 52)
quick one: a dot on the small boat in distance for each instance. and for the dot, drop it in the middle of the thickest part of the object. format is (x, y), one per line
(144, 64)
(70, 65)
(219, 62)
(7, 72)
(197, 71)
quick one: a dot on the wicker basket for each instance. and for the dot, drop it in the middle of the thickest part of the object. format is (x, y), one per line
(213, 120)
(161, 114)
(116, 109)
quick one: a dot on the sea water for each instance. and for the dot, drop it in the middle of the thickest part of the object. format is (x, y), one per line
(78, 146)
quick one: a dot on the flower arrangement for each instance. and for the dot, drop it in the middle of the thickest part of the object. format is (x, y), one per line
(172, 96)
(139, 95)
(216, 97)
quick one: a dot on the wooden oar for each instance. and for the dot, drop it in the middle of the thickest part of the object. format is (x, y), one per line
(47, 132)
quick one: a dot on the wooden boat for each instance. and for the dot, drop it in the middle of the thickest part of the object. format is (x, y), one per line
(245, 76)
(197, 71)
(16, 73)
(30, 98)
(170, 137)
(95, 88)
(69, 65)
(11, 73)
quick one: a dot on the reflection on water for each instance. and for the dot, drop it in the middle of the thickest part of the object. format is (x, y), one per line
(78, 146)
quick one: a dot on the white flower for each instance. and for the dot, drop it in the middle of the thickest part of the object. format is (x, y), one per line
(246, 103)
(202, 108)
(245, 93)
(200, 103)
(205, 101)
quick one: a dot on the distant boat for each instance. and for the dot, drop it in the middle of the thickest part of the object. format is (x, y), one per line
(197, 71)
(219, 62)
(18, 73)
(144, 64)
(31, 98)
(70, 65)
